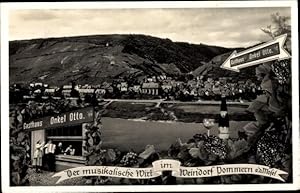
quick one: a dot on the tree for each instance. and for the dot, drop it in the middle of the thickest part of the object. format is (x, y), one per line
(272, 110)
(74, 92)
(280, 26)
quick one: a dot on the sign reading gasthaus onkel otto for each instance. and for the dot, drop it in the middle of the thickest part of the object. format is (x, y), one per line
(68, 118)
(269, 51)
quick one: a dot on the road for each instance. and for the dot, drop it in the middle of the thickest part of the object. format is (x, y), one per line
(161, 101)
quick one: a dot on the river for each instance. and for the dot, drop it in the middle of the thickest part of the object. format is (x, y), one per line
(127, 134)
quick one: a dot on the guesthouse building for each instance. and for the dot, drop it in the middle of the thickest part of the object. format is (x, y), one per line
(66, 128)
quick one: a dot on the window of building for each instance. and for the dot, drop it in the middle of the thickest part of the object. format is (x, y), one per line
(71, 135)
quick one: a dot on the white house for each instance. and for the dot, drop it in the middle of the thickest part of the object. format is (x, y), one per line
(49, 91)
(166, 87)
(100, 91)
(85, 91)
(66, 93)
(136, 88)
(150, 88)
(66, 87)
(124, 87)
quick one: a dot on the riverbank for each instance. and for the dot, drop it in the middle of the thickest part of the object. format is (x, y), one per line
(180, 112)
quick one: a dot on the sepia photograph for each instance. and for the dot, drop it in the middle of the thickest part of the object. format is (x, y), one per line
(126, 96)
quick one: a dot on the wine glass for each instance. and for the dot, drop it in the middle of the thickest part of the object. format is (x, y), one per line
(208, 124)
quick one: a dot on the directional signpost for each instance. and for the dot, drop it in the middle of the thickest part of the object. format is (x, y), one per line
(272, 50)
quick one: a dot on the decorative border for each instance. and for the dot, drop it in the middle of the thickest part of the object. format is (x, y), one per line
(4, 100)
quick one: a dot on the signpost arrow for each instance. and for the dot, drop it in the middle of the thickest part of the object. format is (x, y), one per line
(272, 50)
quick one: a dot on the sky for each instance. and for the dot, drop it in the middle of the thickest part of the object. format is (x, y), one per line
(228, 27)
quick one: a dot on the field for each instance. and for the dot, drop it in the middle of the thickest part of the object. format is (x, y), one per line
(128, 110)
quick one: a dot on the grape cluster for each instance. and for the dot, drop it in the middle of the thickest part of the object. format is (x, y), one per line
(269, 150)
(130, 159)
(216, 146)
(282, 70)
(200, 137)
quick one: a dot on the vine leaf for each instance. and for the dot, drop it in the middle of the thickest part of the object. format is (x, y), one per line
(149, 150)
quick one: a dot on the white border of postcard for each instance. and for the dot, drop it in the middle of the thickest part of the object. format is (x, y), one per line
(6, 7)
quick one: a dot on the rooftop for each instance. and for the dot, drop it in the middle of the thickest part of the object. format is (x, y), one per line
(150, 85)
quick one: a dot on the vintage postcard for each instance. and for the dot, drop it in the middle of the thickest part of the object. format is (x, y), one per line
(149, 96)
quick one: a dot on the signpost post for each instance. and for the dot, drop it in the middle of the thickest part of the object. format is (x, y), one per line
(269, 51)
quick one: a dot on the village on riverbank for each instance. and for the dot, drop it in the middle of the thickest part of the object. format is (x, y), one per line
(155, 87)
